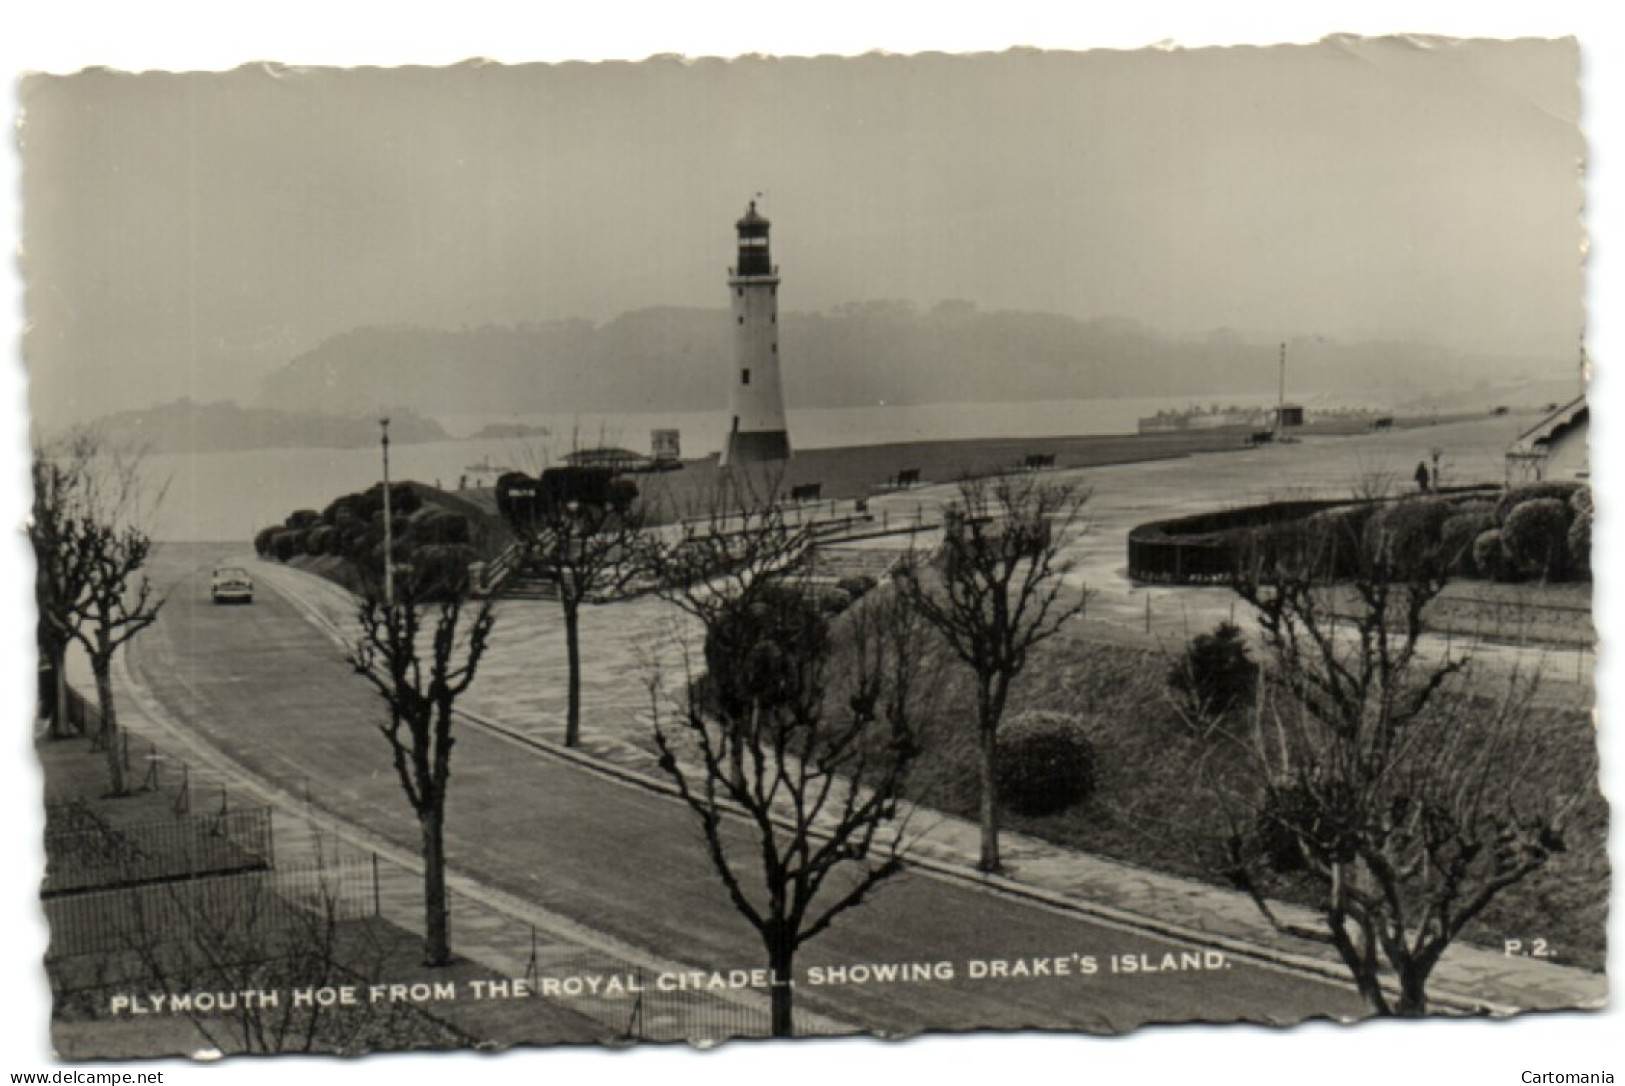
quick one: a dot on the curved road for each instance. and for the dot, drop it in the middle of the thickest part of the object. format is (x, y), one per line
(271, 691)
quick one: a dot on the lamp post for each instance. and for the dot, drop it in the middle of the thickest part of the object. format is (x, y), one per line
(1280, 401)
(389, 527)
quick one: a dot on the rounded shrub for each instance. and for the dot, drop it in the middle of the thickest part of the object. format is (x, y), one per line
(1579, 543)
(1561, 491)
(1490, 557)
(1404, 536)
(353, 539)
(1346, 522)
(262, 541)
(1456, 538)
(374, 557)
(1338, 535)
(1044, 763)
(1536, 537)
(1580, 502)
(439, 526)
(763, 650)
(1474, 505)
(440, 571)
(319, 540)
(403, 500)
(286, 543)
(365, 505)
(400, 527)
(1318, 544)
(339, 510)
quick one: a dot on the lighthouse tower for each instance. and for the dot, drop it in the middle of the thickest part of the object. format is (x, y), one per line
(756, 430)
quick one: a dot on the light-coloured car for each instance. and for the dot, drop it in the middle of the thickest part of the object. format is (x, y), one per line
(232, 584)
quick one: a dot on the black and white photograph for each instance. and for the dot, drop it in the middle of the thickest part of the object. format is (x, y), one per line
(694, 549)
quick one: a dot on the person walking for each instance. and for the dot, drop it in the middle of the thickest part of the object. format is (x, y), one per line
(1422, 476)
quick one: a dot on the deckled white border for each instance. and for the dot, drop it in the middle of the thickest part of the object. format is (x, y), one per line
(62, 36)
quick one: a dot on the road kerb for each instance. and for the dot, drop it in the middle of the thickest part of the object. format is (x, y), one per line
(963, 872)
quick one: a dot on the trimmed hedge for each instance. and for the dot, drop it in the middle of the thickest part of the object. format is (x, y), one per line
(761, 651)
(403, 500)
(340, 510)
(1044, 763)
(1405, 535)
(440, 571)
(1535, 537)
(439, 527)
(353, 540)
(1580, 504)
(1490, 557)
(1457, 536)
(320, 539)
(1579, 543)
(1561, 491)
(286, 543)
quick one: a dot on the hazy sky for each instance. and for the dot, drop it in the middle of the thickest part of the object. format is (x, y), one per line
(184, 234)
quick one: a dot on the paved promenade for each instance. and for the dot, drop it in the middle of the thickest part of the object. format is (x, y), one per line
(619, 868)
(1468, 977)
(1122, 496)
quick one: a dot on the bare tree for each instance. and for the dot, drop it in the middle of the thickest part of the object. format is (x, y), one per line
(737, 543)
(420, 651)
(61, 486)
(1389, 781)
(996, 590)
(583, 536)
(821, 720)
(90, 503)
(738, 534)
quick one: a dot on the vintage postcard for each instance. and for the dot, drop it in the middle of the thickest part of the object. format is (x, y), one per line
(706, 549)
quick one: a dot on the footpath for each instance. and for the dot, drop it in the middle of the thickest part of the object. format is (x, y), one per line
(1468, 979)
(531, 945)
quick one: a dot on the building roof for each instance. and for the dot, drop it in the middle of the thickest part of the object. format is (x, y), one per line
(1557, 445)
(604, 456)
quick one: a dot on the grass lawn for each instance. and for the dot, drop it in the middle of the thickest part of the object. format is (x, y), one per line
(362, 951)
(1153, 807)
(1535, 614)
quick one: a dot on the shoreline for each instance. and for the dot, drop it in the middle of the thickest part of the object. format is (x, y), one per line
(845, 473)
(850, 472)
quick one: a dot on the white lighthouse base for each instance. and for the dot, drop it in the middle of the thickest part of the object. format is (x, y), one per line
(755, 447)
